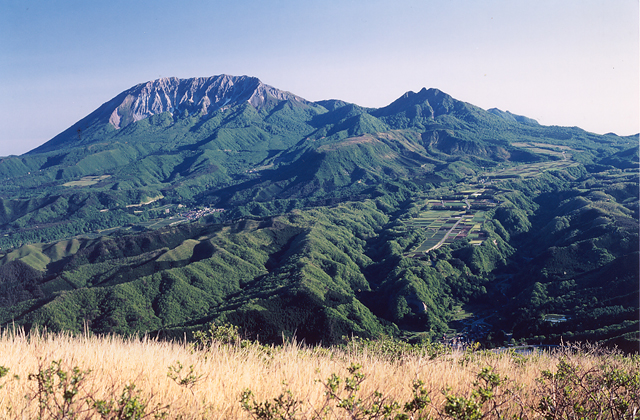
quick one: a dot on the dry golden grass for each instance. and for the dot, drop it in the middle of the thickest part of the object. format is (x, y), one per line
(226, 371)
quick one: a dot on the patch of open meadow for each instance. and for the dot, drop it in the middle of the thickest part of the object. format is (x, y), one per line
(59, 376)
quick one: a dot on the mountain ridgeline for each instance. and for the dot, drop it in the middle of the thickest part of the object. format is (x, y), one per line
(182, 202)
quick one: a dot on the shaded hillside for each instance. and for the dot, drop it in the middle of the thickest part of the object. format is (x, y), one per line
(318, 274)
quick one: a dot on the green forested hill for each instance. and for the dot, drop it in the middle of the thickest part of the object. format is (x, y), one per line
(319, 273)
(227, 200)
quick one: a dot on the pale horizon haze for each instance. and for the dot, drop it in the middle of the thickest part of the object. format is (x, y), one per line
(567, 63)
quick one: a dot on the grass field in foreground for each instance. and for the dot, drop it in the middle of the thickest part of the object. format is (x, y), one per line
(149, 377)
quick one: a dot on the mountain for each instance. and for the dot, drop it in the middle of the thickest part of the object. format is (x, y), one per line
(185, 201)
(508, 116)
(201, 96)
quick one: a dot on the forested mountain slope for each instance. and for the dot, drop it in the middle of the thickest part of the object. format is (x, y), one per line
(185, 201)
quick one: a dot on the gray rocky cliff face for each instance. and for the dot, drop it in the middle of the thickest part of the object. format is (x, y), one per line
(202, 95)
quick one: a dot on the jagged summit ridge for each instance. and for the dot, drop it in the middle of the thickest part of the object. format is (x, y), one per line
(508, 116)
(429, 103)
(200, 94)
(199, 99)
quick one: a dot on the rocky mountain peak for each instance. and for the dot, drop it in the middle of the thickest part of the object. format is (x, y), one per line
(428, 103)
(202, 95)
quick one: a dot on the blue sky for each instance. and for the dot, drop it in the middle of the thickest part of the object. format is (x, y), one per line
(569, 62)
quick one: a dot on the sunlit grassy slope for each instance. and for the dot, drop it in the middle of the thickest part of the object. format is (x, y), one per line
(179, 381)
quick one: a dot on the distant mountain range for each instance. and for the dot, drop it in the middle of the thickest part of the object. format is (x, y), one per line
(234, 138)
(97, 210)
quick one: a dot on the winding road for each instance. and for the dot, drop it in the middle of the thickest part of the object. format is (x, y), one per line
(446, 235)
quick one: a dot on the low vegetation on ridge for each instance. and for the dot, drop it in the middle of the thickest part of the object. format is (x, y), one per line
(55, 376)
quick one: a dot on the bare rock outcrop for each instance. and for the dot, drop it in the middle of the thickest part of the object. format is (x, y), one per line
(202, 95)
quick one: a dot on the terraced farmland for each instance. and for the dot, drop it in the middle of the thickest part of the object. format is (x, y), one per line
(448, 220)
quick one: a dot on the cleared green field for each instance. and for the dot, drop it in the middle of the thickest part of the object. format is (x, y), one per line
(543, 146)
(428, 244)
(86, 181)
(473, 191)
(160, 223)
(430, 216)
(478, 216)
(455, 204)
(546, 152)
(531, 170)
(445, 204)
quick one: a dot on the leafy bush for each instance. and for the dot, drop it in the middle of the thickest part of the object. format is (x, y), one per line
(61, 393)
(610, 390)
(343, 399)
